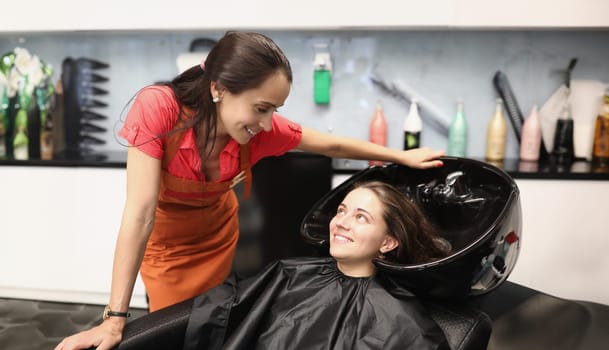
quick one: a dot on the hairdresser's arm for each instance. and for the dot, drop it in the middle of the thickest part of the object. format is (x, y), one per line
(143, 176)
(352, 148)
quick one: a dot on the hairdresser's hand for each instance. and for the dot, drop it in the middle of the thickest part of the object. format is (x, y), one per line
(105, 336)
(421, 158)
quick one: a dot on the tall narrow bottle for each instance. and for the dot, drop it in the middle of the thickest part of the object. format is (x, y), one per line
(563, 150)
(20, 137)
(412, 127)
(496, 134)
(3, 123)
(530, 140)
(43, 102)
(600, 148)
(378, 130)
(457, 133)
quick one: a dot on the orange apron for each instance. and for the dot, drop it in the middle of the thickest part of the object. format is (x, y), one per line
(195, 233)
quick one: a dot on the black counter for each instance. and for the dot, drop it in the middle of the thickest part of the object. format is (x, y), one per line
(579, 170)
(112, 159)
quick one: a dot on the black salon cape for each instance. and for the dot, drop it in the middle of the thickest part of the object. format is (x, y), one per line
(309, 304)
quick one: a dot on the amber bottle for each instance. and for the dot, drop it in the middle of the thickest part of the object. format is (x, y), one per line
(600, 148)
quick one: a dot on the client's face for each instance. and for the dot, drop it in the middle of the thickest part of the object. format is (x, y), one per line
(358, 232)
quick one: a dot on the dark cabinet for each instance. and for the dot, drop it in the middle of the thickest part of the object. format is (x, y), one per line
(283, 191)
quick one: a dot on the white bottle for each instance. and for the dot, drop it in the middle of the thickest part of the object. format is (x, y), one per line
(412, 127)
(530, 142)
(496, 135)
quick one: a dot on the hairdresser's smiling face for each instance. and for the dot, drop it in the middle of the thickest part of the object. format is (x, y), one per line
(244, 115)
(358, 233)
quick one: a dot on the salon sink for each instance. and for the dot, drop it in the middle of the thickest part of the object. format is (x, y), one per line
(474, 205)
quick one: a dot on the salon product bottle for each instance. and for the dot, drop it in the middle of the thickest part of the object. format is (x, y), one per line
(600, 148)
(530, 140)
(322, 76)
(412, 127)
(457, 133)
(46, 124)
(3, 123)
(378, 130)
(496, 134)
(20, 137)
(33, 128)
(563, 151)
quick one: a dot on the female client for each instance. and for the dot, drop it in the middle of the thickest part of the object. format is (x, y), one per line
(339, 302)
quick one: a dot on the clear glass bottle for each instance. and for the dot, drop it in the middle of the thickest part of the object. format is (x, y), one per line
(496, 134)
(457, 133)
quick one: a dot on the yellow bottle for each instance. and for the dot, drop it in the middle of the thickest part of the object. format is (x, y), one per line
(496, 135)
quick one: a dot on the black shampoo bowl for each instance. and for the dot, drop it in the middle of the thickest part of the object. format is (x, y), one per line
(476, 208)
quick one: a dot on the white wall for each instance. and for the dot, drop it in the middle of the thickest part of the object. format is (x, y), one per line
(565, 238)
(58, 230)
(302, 14)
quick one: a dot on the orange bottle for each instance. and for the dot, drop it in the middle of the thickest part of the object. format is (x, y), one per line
(600, 147)
(378, 130)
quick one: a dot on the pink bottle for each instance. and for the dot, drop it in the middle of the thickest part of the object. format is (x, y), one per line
(530, 142)
(378, 130)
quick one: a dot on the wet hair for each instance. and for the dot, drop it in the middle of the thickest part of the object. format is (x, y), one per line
(419, 241)
(239, 61)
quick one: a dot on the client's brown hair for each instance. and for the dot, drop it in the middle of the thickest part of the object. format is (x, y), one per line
(419, 241)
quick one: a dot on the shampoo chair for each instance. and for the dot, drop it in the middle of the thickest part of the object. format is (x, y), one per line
(476, 207)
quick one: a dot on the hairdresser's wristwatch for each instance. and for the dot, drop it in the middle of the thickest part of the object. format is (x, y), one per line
(109, 313)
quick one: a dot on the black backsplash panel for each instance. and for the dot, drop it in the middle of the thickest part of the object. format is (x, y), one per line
(284, 189)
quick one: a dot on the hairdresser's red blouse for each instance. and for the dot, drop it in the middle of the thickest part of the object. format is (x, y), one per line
(155, 112)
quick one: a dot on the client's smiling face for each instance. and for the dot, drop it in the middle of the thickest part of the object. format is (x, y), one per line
(358, 233)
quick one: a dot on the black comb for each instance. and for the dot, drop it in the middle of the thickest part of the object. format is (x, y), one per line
(513, 110)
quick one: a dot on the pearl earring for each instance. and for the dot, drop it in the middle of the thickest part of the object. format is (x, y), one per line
(215, 99)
